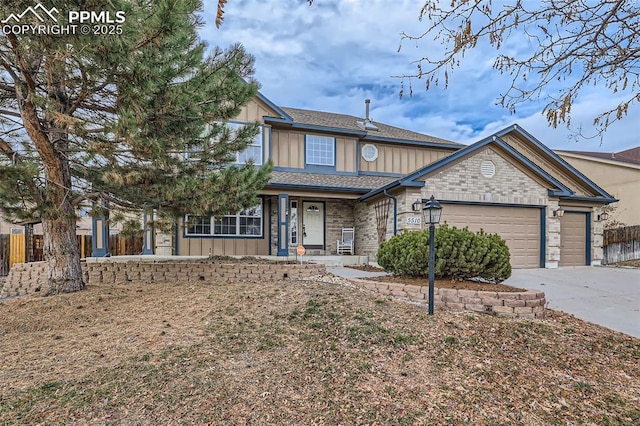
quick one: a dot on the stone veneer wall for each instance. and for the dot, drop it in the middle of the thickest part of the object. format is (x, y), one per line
(464, 182)
(367, 228)
(29, 278)
(339, 215)
(526, 304)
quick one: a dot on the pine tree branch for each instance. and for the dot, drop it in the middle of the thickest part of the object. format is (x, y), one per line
(102, 196)
(24, 67)
(15, 159)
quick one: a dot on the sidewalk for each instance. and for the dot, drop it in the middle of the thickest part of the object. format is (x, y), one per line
(343, 272)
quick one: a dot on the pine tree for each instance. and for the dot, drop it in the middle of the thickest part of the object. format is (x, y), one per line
(109, 117)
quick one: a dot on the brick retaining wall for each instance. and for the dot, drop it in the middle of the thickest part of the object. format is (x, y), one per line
(525, 304)
(29, 278)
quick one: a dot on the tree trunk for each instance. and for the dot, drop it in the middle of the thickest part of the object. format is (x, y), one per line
(62, 255)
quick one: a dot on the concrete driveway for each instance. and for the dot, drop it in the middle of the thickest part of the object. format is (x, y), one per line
(606, 296)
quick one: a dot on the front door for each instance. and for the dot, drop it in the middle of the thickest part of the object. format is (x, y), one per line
(313, 224)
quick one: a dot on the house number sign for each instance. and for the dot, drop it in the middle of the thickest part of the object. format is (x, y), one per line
(414, 220)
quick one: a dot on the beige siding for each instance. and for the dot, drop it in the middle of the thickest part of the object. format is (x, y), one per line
(255, 111)
(620, 180)
(345, 155)
(287, 149)
(222, 246)
(400, 159)
(203, 246)
(541, 159)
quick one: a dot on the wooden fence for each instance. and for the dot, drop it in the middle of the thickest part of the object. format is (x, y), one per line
(14, 248)
(621, 244)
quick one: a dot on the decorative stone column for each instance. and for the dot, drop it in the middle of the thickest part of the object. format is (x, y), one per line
(597, 237)
(553, 235)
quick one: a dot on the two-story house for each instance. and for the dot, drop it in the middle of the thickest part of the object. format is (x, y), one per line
(335, 171)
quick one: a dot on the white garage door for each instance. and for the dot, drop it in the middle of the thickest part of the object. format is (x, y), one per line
(518, 226)
(573, 239)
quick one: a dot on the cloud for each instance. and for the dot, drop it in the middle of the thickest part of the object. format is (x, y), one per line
(334, 54)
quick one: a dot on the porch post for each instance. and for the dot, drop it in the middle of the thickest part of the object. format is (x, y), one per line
(283, 224)
(100, 234)
(147, 236)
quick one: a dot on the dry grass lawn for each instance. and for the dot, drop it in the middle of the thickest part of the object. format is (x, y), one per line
(301, 352)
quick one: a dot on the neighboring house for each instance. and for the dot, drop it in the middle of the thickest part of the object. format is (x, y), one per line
(618, 173)
(334, 171)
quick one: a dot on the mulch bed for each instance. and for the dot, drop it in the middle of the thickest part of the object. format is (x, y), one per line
(440, 283)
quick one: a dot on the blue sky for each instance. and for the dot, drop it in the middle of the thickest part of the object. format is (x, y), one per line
(333, 55)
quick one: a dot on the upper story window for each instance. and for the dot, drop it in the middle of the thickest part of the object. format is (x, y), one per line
(320, 150)
(252, 151)
(245, 223)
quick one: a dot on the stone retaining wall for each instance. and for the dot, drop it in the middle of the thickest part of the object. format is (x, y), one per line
(525, 304)
(29, 278)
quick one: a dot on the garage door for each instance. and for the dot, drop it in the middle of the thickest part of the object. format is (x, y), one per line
(519, 227)
(573, 239)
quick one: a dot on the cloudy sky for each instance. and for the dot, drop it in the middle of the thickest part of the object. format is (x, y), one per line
(333, 55)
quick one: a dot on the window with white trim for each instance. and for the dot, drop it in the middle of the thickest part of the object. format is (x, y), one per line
(252, 151)
(247, 223)
(320, 150)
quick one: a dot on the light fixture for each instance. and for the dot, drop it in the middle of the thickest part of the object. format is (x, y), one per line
(417, 205)
(603, 216)
(559, 212)
(432, 211)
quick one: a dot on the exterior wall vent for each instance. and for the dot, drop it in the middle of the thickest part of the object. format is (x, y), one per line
(488, 169)
(369, 152)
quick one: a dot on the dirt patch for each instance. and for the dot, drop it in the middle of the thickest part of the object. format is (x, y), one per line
(628, 264)
(301, 352)
(366, 268)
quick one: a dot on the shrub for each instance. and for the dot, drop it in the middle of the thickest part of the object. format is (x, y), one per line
(460, 253)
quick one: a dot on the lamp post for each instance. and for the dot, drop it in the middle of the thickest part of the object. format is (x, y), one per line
(432, 211)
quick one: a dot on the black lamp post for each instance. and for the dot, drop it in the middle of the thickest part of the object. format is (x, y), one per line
(432, 211)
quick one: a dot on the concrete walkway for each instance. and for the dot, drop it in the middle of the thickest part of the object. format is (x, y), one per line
(343, 272)
(606, 296)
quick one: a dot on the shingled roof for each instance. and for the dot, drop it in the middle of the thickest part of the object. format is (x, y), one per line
(350, 123)
(361, 184)
(631, 156)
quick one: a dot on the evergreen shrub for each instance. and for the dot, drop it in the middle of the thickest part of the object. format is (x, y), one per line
(460, 254)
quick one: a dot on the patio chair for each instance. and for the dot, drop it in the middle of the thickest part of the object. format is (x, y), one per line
(345, 246)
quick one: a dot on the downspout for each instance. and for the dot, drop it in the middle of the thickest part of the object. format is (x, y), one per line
(395, 211)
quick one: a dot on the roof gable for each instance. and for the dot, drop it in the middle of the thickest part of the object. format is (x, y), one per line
(275, 110)
(557, 165)
(557, 188)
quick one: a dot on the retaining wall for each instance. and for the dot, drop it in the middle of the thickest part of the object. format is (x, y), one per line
(525, 304)
(29, 278)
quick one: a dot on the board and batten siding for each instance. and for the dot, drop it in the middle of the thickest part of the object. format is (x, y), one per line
(222, 246)
(288, 150)
(400, 159)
